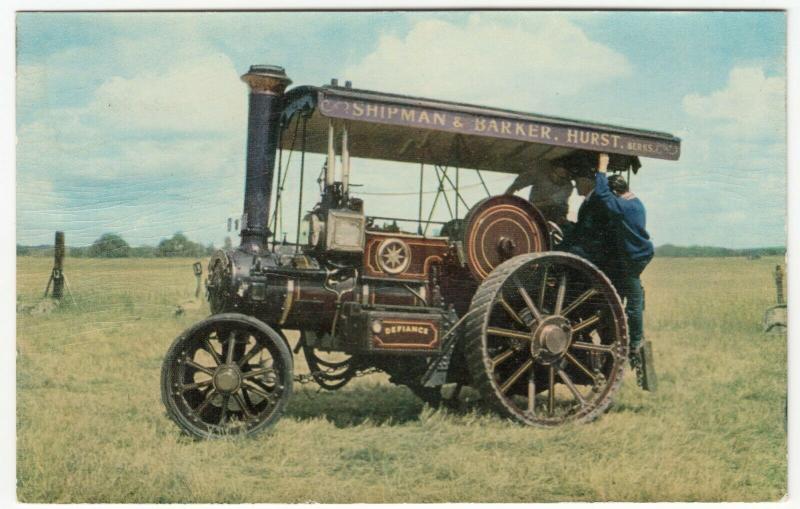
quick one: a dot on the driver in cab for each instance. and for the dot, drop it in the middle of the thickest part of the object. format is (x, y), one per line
(551, 187)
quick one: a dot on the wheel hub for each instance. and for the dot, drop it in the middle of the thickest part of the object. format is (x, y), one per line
(551, 338)
(227, 379)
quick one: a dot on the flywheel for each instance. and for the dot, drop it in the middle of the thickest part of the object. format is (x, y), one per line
(499, 228)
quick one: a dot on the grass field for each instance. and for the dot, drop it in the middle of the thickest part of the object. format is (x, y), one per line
(91, 427)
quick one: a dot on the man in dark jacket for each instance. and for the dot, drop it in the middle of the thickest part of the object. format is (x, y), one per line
(634, 251)
(627, 218)
(592, 236)
(610, 232)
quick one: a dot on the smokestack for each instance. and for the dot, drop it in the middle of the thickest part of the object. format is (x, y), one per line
(267, 84)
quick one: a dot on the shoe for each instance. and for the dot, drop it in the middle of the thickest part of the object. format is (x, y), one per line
(649, 379)
(635, 359)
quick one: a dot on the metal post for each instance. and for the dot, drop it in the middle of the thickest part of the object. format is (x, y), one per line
(483, 183)
(458, 172)
(421, 179)
(300, 198)
(442, 189)
(345, 161)
(779, 283)
(330, 170)
(58, 267)
(274, 223)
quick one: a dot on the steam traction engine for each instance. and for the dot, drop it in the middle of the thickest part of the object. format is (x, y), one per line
(540, 333)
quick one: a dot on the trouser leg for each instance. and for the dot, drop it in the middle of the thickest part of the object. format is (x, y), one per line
(634, 308)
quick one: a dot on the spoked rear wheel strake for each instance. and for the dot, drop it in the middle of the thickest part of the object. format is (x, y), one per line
(226, 376)
(547, 340)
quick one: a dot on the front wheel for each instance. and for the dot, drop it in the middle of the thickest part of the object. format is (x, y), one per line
(229, 374)
(546, 339)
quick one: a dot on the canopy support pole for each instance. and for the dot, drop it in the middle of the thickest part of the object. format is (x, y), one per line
(442, 190)
(277, 214)
(458, 172)
(483, 183)
(433, 207)
(421, 181)
(330, 170)
(274, 226)
(302, 174)
(345, 162)
(458, 195)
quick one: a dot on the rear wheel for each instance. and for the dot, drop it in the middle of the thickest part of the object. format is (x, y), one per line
(546, 341)
(229, 374)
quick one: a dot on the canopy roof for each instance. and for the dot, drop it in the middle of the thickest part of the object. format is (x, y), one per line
(411, 129)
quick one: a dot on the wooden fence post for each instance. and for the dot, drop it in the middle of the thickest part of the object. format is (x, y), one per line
(57, 276)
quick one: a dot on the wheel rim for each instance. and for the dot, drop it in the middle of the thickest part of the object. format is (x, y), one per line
(227, 378)
(554, 339)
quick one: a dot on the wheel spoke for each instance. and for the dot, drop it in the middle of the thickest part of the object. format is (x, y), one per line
(196, 385)
(199, 367)
(532, 393)
(592, 347)
(543, 289)
(242, 404)
(252, 353)
(210, 349)
(259, 384)
(551, 393)
(503, 356)
(571, 386)
(518, 373)
(513, 314)
(585, 324)
(231, 344)
(528, 302)
(580, 300)
(256, 390)
(580, 366)
(224, 411)
(257, 372)
(204, 404)
(562, 291)
(508, 333)
(246, 397)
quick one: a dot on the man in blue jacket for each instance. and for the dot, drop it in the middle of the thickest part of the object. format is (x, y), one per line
(627, 218)
(611, 233)
(634, 248)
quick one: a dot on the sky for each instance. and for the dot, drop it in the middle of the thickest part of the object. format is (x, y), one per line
(135, 123)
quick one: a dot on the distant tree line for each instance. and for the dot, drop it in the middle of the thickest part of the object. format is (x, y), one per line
(671, 251)
(112, 245)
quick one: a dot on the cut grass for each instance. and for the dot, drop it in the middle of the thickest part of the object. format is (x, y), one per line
(91, 427)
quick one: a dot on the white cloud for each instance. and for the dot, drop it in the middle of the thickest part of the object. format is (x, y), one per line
(486, 61)
(751, 106)
(31, 86)
(203, 94)
(183, 121)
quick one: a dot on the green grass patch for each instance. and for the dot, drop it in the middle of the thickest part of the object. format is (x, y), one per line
(91, 427)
